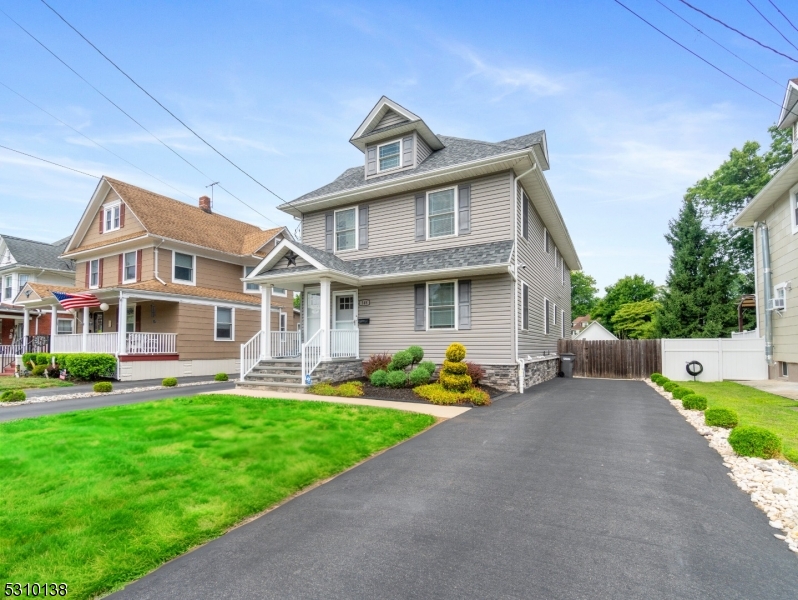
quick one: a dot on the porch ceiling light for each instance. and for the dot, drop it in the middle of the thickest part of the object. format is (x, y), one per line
(104, 307)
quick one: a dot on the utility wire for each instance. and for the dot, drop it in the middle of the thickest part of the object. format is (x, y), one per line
(154, 99)
(781, 85)
(783, 15)
(708, 16)
(771, 24)
(49, 161)
(96, 143)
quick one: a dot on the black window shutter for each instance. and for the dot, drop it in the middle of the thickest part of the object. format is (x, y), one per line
(363, 225)
(525, 309)
(464, 200)
(421, 307)
(464, 299)
(329, 223)
(525, 202)
(421, 217)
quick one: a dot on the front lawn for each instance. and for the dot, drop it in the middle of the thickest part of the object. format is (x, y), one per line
(26, 383)
(98, 498)
(755, 407)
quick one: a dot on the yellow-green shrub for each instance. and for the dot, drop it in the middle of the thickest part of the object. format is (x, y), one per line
(454, 383)
(455, 368)
(437, 394)
(456, 352)
(350, 389)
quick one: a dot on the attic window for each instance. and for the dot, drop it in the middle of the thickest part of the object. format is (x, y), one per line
(111, 218)
(390, 155)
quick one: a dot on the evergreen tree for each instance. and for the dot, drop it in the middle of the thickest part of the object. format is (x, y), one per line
(697, 301)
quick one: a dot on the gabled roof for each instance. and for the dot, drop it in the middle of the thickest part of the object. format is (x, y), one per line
(789, 107)
(387, 119)
(595, 328)
(781, 183)
(166, 217)
(30, 253)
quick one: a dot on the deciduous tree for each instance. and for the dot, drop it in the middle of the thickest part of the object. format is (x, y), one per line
(584, 294)
(632, 288)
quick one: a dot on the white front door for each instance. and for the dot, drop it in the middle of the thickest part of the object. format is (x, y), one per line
(343, 335)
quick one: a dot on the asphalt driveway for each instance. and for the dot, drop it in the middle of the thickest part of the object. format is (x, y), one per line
(577, 489)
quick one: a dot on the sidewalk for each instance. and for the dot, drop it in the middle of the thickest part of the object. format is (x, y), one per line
(788, 389)
(118, 386)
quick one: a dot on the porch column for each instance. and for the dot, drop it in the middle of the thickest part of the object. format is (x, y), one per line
(25, 324)
(121, 326)
(266, 320)
(85, 341)
(53, 325)
(325, 317)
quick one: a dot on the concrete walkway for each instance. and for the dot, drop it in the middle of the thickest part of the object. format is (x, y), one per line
(788, 389)
(578, 489)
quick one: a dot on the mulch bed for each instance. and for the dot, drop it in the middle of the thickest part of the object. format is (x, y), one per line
(407, 394)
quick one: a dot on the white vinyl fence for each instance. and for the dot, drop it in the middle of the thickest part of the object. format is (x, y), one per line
(741, 359)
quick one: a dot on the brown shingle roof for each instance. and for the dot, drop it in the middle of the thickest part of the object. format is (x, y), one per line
(170, 218)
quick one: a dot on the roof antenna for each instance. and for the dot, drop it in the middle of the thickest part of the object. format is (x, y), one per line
(210, 185)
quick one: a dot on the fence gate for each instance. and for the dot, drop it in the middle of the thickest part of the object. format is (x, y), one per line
(614, 359)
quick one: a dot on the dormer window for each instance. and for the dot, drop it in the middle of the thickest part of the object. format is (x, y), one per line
(390, 155)
(111, 218)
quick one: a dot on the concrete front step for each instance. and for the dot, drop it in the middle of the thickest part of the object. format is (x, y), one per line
(262, 378)
(271, 386)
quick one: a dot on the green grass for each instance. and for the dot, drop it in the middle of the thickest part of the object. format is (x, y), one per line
(98, 498)
(26, 383)
(755, 407)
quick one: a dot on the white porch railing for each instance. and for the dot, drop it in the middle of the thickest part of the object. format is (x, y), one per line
(151, 343)
(311, 354)
(66, 343)
(102, 343)
(251, 353)
(286, 344)
(344, 343)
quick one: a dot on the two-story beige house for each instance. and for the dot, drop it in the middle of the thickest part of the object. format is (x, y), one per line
(432, 240)
(773, 215)
(170, 279)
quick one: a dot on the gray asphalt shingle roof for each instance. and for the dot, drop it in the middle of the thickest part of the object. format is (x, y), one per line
(38, 254)
(456, 151)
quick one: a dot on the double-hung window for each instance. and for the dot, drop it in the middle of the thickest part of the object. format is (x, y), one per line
(130, 266)
(345, 229)
(22, 279)
(183, 271)
(562, 324)
(250, 287)
(8, 287)
(441, 305)
(546, 313)
(94, 273)
(224, 324)
(64, 327)
(524, 306)
(546, 247)
(390, 155)
(111, 218)
(441, 210)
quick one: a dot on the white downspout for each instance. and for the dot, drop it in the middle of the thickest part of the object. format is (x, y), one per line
(767, 284)
(520, 361)
(155, 263)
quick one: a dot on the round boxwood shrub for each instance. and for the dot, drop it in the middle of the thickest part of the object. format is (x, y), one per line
(379, 378)
(694, 402)
(680, 392)
(670, 386)
(428, 365)
(655, 376)
(456, 352)
(417, 353)
(169, 382)
(103, 387)
(662, 380)
(419, 376)
(396, 379)
(401, 360)
(12, 396)
(721, 417)
(221, 377)
(754, 441)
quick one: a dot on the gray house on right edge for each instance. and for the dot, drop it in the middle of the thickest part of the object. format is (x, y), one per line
(432, 240)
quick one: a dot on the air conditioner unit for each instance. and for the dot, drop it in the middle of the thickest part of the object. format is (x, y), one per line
(776, 304)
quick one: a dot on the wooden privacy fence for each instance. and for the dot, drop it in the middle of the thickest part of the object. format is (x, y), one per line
(614, 359)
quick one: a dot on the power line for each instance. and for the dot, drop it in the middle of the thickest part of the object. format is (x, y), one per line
(49, 161)
(708, 16)
(781, 85)
(783, 15)
(154, 99)
(771, 24)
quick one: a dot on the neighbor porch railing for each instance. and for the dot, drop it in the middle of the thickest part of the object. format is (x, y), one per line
(67, 343)
(311, 354)
(344, 343)
(251, 353)
(151, 343)
(286, 344)
(108, 343)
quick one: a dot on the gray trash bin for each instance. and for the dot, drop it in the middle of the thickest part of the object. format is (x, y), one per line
(567, 364)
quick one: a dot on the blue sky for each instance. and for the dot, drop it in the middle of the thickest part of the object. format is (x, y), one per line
(632, 120)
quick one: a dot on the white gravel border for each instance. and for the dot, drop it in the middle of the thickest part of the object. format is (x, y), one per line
(772, 484)
(56, 398)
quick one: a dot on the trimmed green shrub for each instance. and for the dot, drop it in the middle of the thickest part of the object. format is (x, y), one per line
(221, 377)
(417, 352)
(379, 378)
(103, 387)
(754, 441)
(437, 394)
(376, 362)
(680, 392)
(169, 382)
(670, 386)
(419, 376)
(396, 379)
(12, 396)
(655, 376)
(694, 402)
(663, 380)
(401, 360)
(89, 366)
(427, 365)
(38, 370)
(456, 352)
(721, 417)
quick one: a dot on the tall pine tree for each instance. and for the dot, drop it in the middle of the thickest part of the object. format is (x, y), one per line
(697, 301)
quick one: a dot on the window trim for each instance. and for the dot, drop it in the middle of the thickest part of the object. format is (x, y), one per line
(546, 309)
(135, 267)
(779, 287)
(193, 269)
(524, 286)
(283, 294)
(562, 324)
(109, 208)
(94, 286)
(456, 305)
(562, 271)
(71, 326)
(356, 208)
(232, 324)
(246, 290)
(10, 287)
(455, 204)
(401, 148)
(784, 371)
(793, 197)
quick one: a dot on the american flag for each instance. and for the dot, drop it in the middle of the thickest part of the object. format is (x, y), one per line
(69, 301)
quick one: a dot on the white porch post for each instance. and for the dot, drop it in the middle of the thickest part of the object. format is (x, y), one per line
(266, 320)
(53, 325)
(325, 317)
(121, 326)
(25, 323)
(85, 340)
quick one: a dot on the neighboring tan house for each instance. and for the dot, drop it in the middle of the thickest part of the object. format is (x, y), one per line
(172, 274)
(773, 215)
(432, 240)
(595, 331)
(579, 324)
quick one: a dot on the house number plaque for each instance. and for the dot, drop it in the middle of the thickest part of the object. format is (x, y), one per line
(364, 303)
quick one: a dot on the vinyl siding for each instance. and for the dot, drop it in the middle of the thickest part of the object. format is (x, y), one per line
(544, 279)
(110, 268)
(93, 235)
(392, 221)
(423, 151)
(784, 263)
(195, 332)
(218, 275)
(300, 262)
(390, 118)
